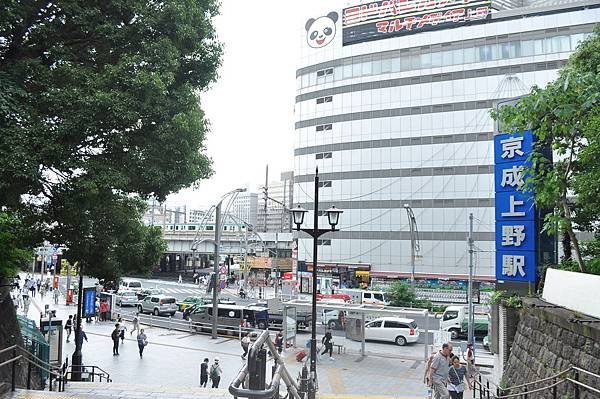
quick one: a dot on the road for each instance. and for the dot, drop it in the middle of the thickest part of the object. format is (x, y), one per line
(183, 290)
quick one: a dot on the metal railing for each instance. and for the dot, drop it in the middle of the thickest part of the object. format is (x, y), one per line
(53, 372)
(251, 380)
(89, 373)
(570, 376)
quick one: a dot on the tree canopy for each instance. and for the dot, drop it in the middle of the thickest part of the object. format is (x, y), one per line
(566, 116)
(99, 109)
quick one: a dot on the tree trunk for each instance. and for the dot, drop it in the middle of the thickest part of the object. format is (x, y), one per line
(567, 248)
(571, 233)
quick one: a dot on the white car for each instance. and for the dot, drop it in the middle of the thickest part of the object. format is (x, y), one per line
(158, 305)
(127, 298)
(131, 285)
(392, 329)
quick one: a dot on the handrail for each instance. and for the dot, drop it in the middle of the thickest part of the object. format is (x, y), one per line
(9, 361)
(9, 348)
(32, 360)
(251, 393)
(506, 391)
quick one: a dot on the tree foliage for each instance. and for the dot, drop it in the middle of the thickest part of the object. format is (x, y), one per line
(565, 115)
(13, 250)
(98, 107)
(401, 294)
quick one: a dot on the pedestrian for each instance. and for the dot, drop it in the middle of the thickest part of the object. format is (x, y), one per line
(438, 373)
(115, 339)
(328, 344)
(456, 379)
(55, 294)
(180, 280)
(80, 336)
(135, 324)
(215, 373)
(97, 309)
(279, 342)
(26, 302)
(246, 344)
(103, 311)
(32, 288)
(69, 326)
(142, 340)
(122, 329)
(204, 373)
(471, 368)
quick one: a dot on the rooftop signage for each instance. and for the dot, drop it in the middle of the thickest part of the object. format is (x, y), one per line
(389, 18)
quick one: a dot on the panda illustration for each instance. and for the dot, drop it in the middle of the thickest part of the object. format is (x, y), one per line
(321, 31)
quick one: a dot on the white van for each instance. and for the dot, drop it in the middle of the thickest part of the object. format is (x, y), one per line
(131, 285)
(365, 296)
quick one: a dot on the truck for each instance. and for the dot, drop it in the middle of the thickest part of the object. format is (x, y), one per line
(275, 310)
(365, 296)
(455, 320)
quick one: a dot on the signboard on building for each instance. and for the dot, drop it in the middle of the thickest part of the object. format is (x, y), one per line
(389, 18)
(516, 215)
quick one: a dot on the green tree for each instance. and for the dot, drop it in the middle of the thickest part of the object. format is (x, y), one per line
(566, 116)
(13, 251)
(400, 293)
(99, 109)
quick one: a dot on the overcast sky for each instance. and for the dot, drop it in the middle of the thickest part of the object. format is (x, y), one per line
(251, 106)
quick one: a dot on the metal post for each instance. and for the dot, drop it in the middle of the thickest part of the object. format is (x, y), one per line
(28, 375)
(215, 309)
(470, 287)
(14, 370)
(426, 349)
(313, 330)
(576, 385)
(412, 248)
(362, 327)
(77, 359)
(554, 389)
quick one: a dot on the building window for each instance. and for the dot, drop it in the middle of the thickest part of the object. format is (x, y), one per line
(324, 72)
(323, 242)
(323, 155)
(326, 99)
(322, 128)
(209, 228)
(325, 183)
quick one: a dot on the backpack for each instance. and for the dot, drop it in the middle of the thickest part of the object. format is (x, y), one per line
(214, 372)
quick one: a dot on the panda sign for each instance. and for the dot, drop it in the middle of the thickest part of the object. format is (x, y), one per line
(321, 31)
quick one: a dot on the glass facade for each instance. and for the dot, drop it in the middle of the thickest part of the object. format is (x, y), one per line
(407, 122)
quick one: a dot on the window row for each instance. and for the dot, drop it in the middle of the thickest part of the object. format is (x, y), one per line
(325, 183)
(431, 59)
(323, 155)
(326, 99)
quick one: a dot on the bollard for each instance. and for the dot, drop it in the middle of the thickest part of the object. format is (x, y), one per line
(304, 382)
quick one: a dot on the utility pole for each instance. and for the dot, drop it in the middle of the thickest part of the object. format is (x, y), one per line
(216, 269)
(152, 215)
(266, 193)
(470, 293)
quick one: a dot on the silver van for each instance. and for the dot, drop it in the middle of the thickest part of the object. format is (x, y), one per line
(158, 305)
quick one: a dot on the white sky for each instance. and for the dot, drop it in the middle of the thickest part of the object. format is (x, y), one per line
(251, 107)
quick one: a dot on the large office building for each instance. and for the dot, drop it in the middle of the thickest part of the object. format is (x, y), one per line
(393, 106)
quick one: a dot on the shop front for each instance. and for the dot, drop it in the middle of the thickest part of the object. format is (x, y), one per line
(331, 276)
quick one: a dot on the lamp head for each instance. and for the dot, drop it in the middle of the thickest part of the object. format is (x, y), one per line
(333, 216)
(298, 215)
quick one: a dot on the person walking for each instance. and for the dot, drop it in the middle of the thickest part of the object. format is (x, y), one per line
(328, 344)
(279, 342)
(142, 341)
(180, 280)
(215, 373)
(438, 373)
(115, 339)
(103, 311)
(55, 294)
(79, 337)
(122, 329)
(69, 326)
(204, 373)
(135, 324)
(245, 344)
(26, 302)
(456, 379)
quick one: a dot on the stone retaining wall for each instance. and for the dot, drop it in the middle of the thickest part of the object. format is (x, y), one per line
(547, 342)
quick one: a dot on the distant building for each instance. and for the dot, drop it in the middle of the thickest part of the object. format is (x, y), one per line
(245, 208)
(280, 193)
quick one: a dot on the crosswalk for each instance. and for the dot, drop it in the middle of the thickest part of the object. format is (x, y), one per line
(190, 291)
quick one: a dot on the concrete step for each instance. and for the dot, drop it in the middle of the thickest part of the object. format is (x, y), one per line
(93, 390)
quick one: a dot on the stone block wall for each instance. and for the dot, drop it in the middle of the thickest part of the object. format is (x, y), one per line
(549, 341)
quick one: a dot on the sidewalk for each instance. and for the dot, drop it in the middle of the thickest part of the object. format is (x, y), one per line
(172, 359)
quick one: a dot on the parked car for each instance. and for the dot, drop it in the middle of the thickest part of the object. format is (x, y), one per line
(149, 291)
(199, 307)
(158, 305)
(130, 285)
(189, 301)
(392, 329)
(128, 298)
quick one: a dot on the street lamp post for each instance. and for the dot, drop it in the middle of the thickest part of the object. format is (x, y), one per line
(333, 215)
(414, 241)
(77, 358)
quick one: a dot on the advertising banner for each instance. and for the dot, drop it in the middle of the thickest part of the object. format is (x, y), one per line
(89, 301)
(389, 18)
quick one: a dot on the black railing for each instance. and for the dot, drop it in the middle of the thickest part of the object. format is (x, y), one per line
(251, 380)
(55, 374)
(88, 373)
(483, 389)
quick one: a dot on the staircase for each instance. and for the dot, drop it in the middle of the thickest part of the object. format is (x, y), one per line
(97, 390)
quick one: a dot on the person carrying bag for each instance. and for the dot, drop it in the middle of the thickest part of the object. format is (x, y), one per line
(456, 379)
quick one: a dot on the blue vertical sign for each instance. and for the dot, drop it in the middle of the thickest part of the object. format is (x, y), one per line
(516, 216)
(89, 302)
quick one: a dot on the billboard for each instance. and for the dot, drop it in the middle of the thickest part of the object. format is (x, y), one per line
(89, 302)
(516, 216)
(388, 18)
